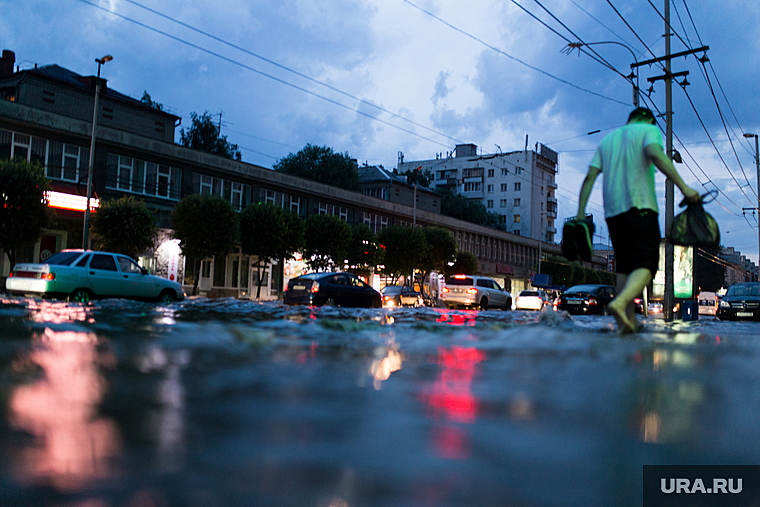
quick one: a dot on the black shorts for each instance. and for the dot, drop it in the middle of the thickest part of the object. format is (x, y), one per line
(635, 237)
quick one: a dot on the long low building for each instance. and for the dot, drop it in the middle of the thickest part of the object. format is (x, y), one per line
(44, 118)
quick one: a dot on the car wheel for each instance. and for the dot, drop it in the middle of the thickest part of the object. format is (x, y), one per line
(377, 303)
(508, 305)
(80, 296)
(167, 296)
(329, 302)
(484, 304)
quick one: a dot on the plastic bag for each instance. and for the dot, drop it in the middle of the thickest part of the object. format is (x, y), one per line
(577, 238)
(695, 227)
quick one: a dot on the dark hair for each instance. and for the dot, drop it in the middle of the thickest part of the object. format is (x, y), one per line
(641, 113)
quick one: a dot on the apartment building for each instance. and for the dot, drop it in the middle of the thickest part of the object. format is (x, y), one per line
(520, 186)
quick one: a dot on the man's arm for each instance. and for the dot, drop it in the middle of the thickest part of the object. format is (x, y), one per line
(666, 167)
(588, 185)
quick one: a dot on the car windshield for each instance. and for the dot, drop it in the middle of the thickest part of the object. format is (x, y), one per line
(313, 276)
(392, 289)
(465, 280)
(63, 258)
(529, 293)
(581, 288)
(744, 290)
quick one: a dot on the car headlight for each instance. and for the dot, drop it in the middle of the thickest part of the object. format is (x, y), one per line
(724, 304)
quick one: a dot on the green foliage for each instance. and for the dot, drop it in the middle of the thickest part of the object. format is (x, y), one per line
(269, 232)
(441, 249)
(206, 226)
(458, 206)
(579, 275)
(23, 210)
(125, 226)
(364, 252)
(422, 178)
(405, 247)
(322, 164)
(327, 239)
(466, 263)
(150, 102)
(709, 271)
(205, 135)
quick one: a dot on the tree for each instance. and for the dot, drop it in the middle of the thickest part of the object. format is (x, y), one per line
(150, 102)
(364, 252)
(326, 241)
(322, 164)
(23, 207)
(405, 247)
(466, 263)
(458, 206)
(441, 249)
(269, 233)
(205, 226)
(205, 135)
(125, 226)
(422, 178)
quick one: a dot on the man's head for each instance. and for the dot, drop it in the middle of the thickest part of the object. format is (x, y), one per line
(641, 115)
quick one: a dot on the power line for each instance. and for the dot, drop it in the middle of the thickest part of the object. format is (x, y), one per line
(499, 51)
(247, 67)
(279, 65)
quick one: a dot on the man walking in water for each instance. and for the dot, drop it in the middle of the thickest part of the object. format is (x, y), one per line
(627, 158)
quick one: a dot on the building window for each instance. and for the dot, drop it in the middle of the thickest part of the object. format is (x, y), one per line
(518, 170)
(517, 201)
(472, 172)
(518, 186)
(295, 205)
(503, 187)
(472, 187)
(269, 196)
(322, 208)
(48, 97)
(107, 113)
(147, 178)
(341, 212)
(516, 232)
(516, 219)
(490, 173)
(502, 203)
(504, 171)
(490, 189)
(489, 204)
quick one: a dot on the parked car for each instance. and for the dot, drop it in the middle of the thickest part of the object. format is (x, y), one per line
(587, 299)
(638, 305)
(742, 301)
(401, 295)
(475, 291)
(332, 289)
(708, 303)
(532, 300)
(82, 275)
(655, 308)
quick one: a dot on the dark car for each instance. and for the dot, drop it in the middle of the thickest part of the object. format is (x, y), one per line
(587, 299)
(333, 289)
(742, 301)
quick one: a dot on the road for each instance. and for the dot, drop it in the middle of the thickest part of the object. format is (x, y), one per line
(227, 402)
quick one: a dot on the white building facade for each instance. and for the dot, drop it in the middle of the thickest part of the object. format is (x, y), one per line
(520, 186)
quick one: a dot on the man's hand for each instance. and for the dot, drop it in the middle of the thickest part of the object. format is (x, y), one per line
(691, 196)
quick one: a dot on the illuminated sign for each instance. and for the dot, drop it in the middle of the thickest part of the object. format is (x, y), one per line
(70, 201)
(683, 273)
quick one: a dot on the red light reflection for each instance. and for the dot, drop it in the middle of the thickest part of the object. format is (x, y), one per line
(456, 318)
(451, 399)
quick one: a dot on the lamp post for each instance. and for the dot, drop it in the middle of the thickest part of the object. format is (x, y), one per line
(757, 165)
(85, 232)
(577, 45)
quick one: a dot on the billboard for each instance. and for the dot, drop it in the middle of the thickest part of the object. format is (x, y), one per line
(683, 273)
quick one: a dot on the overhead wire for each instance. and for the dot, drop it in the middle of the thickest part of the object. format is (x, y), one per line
(261, 73)
(503, 53)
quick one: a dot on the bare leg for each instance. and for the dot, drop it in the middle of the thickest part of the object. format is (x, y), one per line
(622, 307)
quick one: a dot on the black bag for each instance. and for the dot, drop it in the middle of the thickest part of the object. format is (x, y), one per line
(694, 226)
(577, 236)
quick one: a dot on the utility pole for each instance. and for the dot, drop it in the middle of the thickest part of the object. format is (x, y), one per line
(669, 302)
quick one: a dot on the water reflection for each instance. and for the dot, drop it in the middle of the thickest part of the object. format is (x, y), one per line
(73, 443)
(389, 362)
(450, 400)
(454, 318)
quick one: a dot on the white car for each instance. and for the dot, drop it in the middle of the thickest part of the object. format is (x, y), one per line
(82, 275)
(532, 300)
(475, 291)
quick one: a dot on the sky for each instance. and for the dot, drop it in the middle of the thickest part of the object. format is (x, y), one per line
(377, 78)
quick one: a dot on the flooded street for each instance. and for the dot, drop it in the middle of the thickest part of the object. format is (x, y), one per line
(227, 402)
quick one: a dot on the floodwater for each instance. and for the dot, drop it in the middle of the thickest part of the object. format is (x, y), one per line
(227, 402)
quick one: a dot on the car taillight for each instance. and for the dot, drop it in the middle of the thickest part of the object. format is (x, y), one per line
(10, 275)
(591, 302)
(445, 290)
(473, 290)
(48, 276)
(315, 287)
(386, 298)
(286, 288)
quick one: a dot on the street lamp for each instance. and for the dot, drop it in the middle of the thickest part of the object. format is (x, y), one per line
(85, 232)
(757, 164)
